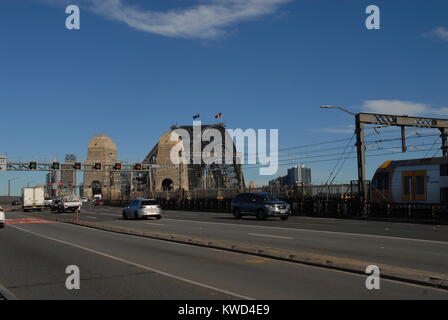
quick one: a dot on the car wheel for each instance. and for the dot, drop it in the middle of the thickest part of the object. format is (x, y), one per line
(158, 217)
(2, 225)
(261, 215)
(236, 213)
(125, 217)
(284, 218)
(136, 215)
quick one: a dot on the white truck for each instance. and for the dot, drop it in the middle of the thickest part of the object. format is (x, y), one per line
(69, 203)
(33, 198)
(2, 218)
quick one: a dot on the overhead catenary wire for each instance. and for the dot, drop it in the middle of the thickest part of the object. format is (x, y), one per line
(257, 166)
(348, 144)
(338, 154)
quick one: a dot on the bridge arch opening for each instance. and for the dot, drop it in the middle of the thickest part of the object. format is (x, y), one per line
(96, 188)
(167, 185)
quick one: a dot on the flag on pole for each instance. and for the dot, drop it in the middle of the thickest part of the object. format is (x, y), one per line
(196, 116)
(219, 115)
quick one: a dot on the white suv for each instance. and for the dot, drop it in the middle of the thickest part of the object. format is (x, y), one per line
(142, 208)
(2, 218)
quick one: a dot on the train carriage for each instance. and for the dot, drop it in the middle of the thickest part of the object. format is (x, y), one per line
(422, 181)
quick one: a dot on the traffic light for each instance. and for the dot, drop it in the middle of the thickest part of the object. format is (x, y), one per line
(97, 166)
(33, 165)
(138, 166)
(117, 166)
(77, 166)
(55, 166)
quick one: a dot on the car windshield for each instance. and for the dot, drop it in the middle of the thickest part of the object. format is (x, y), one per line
(149, 203)
(267, 198)
(71, 199)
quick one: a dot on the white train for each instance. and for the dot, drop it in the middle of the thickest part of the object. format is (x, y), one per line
(411, 181)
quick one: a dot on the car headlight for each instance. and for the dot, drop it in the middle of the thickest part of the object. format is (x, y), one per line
(271, 207)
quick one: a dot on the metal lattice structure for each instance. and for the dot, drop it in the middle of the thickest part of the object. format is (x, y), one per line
(362, 119)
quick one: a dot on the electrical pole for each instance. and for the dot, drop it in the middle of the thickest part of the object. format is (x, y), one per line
(361, 156)
(444, 147)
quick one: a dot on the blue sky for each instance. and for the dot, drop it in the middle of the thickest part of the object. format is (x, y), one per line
(137, 67)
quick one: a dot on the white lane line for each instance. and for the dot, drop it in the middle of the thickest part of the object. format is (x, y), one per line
(315, 231)
(7, 294)
(268, 235)
(105, 214)
(186, 214)
(91, 217)
(139, 265)
(154, 224)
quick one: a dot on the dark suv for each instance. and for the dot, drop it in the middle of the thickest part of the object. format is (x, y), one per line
(261, 205)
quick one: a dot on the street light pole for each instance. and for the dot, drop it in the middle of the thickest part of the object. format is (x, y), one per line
(339, 108)
(9, 186)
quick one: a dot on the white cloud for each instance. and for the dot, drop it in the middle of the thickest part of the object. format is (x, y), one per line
(208, 19)
(398, 107)
(440, 33)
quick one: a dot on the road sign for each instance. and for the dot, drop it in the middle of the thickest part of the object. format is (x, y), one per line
(2, 163)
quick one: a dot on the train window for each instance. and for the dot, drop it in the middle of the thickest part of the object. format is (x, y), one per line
(407, 185)
(444, 195)
(444, 169)
(420, 185)
(381, 181)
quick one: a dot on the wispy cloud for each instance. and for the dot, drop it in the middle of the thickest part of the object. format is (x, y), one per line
(209, 19)
(398, 107)
(440, 33)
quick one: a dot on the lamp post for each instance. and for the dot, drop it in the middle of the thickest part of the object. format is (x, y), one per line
(339, 108)
(361, 156)
(9, 185)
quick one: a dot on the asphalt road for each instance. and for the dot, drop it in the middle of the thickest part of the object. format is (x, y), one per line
(422, 247)
(35, 254)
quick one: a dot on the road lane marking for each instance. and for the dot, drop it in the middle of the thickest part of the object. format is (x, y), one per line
(154, 224)
(268, 235)
(166, 274)
(104, 214)
(315, 231)
(7, 294)
(91, 217)
(27, 221)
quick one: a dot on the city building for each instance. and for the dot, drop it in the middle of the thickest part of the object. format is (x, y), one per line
(297, 175)
(62, 182)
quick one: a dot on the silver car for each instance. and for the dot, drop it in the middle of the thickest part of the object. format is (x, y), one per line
(142, 208)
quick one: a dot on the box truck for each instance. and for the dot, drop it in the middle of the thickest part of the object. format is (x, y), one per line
(33, 198)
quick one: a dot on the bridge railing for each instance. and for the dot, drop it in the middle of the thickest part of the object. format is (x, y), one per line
(281, 192)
